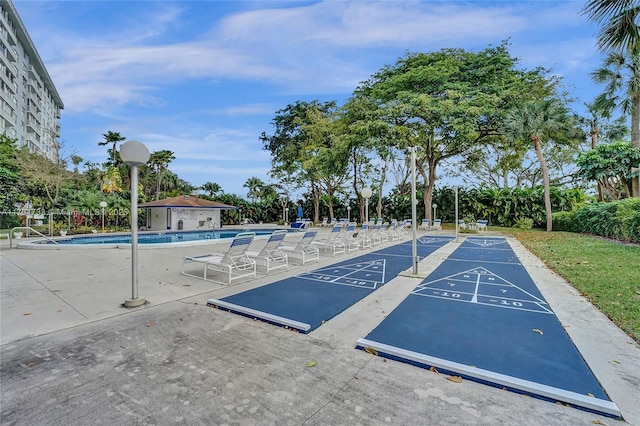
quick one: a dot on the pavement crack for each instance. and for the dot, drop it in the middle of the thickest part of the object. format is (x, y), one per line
(339, 390)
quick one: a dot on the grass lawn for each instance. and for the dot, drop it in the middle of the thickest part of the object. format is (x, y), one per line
(605, 272)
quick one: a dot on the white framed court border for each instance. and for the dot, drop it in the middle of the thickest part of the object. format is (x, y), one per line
(597, 405)
(253, 313)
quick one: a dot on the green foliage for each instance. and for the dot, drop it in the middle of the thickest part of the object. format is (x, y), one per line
(563, 221)
(449, 103)
(524, 223)
(619, 20)
(617, 219)
(10, 184)
(610, 165)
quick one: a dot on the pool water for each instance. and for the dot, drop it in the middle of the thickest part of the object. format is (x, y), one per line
(154, 237)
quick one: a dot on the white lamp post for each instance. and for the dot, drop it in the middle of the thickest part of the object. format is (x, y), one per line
(435, 206)
(135, 154)
(366, 194)
(413, 210)
(457, 221)
(103, 204)
(348, 213)
(286, 215)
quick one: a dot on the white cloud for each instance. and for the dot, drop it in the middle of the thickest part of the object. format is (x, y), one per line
(302, 48)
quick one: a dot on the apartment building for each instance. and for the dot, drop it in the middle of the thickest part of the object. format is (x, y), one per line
(30, 103)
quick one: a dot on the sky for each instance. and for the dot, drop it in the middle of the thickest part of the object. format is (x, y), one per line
(204, 79)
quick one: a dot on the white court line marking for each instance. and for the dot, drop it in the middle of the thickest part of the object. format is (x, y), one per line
(485, 277)
(335, 275)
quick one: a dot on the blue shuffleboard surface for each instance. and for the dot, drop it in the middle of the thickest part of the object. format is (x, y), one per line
(305, 301)
(480, 315)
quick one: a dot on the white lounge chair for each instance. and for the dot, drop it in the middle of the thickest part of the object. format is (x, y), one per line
(333, 242)
(363, 238)
(481, 224)
(271, 257)
(376, 235)
(233, 263)
(349, 240)
(424, 225)
(437, 224)
(324, 222)
(392, 231)
(303, 250)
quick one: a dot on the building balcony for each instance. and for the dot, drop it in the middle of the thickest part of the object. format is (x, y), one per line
(33, 126)
(35, 77)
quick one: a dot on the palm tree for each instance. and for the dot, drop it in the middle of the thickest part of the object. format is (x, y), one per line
(620, 73)
(538, 122)
(159, 161)
(255, 186)
(619, 19)
(112, 138)
(212, 188)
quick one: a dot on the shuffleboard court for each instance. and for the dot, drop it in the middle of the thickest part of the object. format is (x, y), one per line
(480, 315)
(305, 301)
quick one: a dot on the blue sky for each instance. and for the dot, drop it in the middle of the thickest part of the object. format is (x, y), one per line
(205, 78)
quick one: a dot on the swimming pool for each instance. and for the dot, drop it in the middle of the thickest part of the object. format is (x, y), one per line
(145, 239)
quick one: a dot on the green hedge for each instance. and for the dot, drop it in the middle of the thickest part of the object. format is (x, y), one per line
(617, 219)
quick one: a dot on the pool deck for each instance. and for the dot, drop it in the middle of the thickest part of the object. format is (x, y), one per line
(71, 354)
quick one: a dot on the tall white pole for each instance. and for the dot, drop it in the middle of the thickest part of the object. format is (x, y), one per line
(457, 221)
(413, 211)
(134, 232)
(134, 154)
(366, 210)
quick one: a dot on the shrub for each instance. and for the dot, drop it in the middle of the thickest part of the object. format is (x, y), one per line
(524, 223)
(563, 221)
(616, 219)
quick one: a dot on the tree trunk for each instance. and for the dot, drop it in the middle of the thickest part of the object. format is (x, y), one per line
(355, 185)
(594, 143)
(383, 178)
(427, 189)
(545, 179)
(329, 203)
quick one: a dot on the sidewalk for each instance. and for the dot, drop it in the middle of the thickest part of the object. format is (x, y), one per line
(72, 355)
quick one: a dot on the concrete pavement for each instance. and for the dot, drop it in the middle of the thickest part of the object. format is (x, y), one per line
(71, 354)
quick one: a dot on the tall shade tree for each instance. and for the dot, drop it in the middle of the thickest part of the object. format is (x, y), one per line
(449, 103)
(113, 139)
(289, 145)
(619, 20)
(159, 161)
(366, 136)
(539, 122)
(43, 175)
(620, 73)
(326, 155)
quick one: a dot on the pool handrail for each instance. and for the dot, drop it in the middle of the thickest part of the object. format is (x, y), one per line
(28, 228)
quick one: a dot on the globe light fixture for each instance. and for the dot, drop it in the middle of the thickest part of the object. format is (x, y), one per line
(366, 194)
